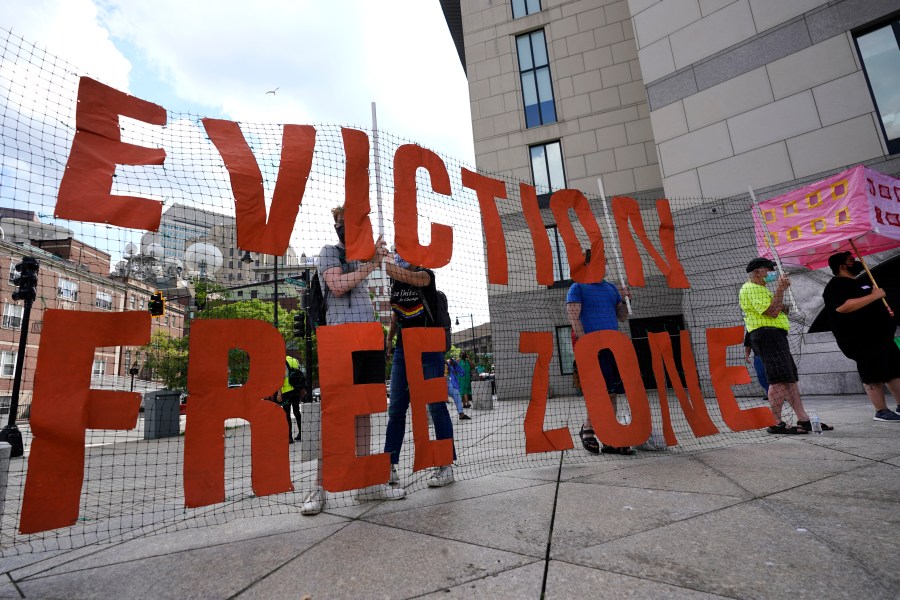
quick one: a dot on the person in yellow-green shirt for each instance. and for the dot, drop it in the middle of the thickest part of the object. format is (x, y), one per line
(765, 316)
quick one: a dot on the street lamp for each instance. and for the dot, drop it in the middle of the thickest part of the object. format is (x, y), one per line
(474, 354)
(133, 371)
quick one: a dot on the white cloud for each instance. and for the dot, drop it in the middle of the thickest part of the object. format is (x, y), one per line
(69, 30)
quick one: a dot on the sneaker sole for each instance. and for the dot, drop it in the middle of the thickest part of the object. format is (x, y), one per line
(886, 420)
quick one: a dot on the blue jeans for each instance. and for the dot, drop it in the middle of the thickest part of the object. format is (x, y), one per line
(760, 372)
(454, 393)
(432, 367)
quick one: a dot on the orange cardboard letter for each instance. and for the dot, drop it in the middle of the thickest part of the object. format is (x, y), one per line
(358, 236)
(211, 402)
(627, 210)
(342, 401)
(85, 190)
(694, 407)
(560, 203)
(536, 438)
(543, 255)
(422, 392)
(407, 160)
(488, 190)
(723, 378)
(64, 406)
(599, 406)
(253, 232)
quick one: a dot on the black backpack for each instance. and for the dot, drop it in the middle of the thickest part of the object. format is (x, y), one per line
(316, 302)
(317, 305)
(439, 313)
(295, 377)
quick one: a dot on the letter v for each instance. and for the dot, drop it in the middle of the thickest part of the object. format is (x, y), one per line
(253, 232)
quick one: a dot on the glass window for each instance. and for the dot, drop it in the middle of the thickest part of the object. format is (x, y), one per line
(537, 88)
(547, 168)
(12, 316)
(12, 271)
(99, 369)
(522, 8)
(103, 300)
(879, 50)
(67, 290)
(564, 349)
(131, 302)
(560, 258)
(7, 364)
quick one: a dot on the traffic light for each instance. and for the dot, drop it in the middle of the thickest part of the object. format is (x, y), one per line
(26, 280)
(157, 305)
(299, 325)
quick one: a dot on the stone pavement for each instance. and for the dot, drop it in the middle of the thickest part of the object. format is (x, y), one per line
(800, 517)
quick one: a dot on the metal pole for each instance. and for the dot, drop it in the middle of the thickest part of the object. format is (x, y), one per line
(792, 305)
(474, 354)
(615, 246)
(378, 201)
(275, 320)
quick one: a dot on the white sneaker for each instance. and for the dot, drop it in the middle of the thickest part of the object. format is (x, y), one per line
(442, 476)
(314, 503)
(395, 477)
(381, 491)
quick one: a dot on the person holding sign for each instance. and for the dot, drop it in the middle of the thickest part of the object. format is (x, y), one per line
(597, 307)
(864, 331)
(765, 316)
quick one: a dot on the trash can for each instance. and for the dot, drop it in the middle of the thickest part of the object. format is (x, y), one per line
(481, 395)
(161, 414)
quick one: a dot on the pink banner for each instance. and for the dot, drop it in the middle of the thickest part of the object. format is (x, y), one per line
(810, 224)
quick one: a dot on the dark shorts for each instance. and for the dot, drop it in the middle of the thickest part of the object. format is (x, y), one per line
(771, 345)
(877, 361)
(610, 372)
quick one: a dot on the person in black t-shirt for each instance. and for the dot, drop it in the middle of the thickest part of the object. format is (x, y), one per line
(413, 302)
(864, 331)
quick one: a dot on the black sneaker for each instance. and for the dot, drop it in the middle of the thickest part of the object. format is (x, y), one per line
(887, 415)
(464, 417)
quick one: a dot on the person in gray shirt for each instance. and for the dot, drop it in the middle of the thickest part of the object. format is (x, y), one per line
(347, 301)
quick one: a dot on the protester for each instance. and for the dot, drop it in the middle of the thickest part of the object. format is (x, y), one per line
(465, 381)
(598, 307)
(290, 397)
(454, 371)
(864, 331)
(347, 301)
(765, 316)
(413, 294)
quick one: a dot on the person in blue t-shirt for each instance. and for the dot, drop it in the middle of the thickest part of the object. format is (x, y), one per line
(598, 307)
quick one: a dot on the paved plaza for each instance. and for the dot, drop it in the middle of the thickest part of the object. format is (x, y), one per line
(793, 517)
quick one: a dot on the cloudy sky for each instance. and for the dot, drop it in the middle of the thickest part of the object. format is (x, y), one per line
(327, 59)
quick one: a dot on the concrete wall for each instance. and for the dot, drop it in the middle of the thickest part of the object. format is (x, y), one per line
(755, 92)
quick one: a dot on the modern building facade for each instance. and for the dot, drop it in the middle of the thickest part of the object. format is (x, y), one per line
(684, 99)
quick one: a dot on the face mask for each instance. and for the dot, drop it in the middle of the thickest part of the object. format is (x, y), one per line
(340, 231)
(771, 277)
(856, 268)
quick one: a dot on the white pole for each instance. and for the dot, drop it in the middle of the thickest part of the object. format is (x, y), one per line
(378, 198)
(790, 295)
(615, 245)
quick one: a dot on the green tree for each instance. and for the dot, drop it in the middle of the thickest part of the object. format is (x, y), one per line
(167, 359)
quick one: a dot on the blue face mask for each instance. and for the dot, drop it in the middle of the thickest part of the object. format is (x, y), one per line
(771, 277)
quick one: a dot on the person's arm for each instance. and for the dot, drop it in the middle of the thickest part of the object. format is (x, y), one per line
(392, 331)
(573, 312)
(417, 278)
(747, 347)
(621, 307)
(339, 283)
(777, 304)
(854, 304)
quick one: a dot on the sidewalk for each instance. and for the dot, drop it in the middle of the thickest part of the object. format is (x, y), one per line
(800, 517)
